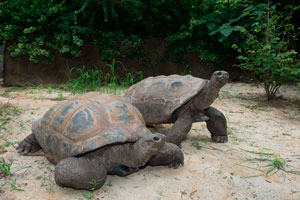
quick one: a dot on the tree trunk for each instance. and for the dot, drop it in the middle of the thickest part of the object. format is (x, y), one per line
(271, 90)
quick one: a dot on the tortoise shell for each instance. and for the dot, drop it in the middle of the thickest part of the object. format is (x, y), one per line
(157, 98)
(86, 123)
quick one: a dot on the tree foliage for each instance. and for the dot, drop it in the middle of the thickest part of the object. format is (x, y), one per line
(40, 28)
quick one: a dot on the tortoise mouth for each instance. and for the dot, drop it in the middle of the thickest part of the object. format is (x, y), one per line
(156, 139)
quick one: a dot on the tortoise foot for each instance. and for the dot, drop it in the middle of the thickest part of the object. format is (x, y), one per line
(220, 138)
(178, 160)
(28, 145)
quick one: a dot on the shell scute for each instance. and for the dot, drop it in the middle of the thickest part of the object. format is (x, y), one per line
(86, 123)
(80, 123)
(159, 97)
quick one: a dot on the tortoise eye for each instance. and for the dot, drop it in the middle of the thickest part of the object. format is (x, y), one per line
(219, 73)
(156, 139)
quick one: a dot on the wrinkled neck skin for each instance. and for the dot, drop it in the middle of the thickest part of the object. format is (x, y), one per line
(207, 96)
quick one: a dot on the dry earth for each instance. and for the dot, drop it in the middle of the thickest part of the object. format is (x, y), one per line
(211, 171)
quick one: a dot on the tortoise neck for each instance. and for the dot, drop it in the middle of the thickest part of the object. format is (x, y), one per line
(213, 89)
(207, 96)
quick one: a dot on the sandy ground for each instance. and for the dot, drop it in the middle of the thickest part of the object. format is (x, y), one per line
(211, 171)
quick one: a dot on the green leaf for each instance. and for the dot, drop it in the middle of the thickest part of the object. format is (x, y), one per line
(211, 26)
(211, 1)
(214, 32)
(226, 29)
(237, 19)
(201, 21)
(237, 28)
(221, 38)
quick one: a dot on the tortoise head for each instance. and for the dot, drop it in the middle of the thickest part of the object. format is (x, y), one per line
(219, 78)
(152, 143)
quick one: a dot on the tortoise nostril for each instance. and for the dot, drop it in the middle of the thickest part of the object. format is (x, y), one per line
(156, 138)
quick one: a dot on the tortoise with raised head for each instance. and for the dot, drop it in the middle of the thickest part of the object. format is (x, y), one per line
(94, 135)
(181, 100)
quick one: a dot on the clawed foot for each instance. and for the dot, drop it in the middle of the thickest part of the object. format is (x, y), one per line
(220, 138)
(178, 160)
(26, 147)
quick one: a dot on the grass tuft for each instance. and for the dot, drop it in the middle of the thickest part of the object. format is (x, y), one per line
(267, 163)
(94, 79)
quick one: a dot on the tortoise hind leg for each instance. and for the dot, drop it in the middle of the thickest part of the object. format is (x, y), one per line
(80, 173)
(216, 125)
(28, 145)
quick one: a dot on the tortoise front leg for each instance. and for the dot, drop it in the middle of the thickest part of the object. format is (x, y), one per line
(80, 173)
(178, 132)
(170, 154)
(28, 145)
(216, 125)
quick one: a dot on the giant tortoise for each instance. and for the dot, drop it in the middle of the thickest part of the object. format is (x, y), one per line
(93, 135)
(181, 100)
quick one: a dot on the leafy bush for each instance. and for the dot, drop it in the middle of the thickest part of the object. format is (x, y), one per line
(212, 28)
(268, 54)
(40, 28)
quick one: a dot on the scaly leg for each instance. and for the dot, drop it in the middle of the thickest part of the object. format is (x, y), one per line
(80, 173)
(28, 145)
(170, 154)
(178, 132)
(216, 125)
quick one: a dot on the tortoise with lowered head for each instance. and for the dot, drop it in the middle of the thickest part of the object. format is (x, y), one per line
(94, 135)
(181, 100)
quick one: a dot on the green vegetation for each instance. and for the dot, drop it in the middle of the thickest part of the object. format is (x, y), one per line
(87, 196)
(268, 54)
(95, 79)
(264, 34)
(6, 144)
(5, 111)
(195, 143)
(94, 183)
(41, 28)
(267, 163)
(13, 186)
(5, 170)
(50, 187)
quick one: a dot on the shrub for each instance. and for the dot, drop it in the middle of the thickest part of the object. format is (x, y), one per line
(268, 54)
